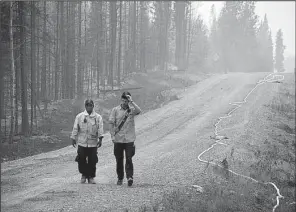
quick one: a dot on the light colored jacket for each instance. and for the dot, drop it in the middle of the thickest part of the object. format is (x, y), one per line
(127, 133)
(87, 129)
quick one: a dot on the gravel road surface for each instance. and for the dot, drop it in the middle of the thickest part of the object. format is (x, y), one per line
(169, 139)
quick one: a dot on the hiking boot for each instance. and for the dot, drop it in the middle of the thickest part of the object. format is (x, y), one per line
(119, 182)
(91, 181)
(83, 179)
(130, 181)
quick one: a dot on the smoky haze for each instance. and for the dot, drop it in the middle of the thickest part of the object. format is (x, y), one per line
(209, 124)
(59, 51)
(281, 15)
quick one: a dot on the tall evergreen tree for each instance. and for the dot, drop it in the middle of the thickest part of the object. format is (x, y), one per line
(24, 95)
(229, 34)
(247, 43)
(265, 47)
(213, 41)
(269, 55)
(180, 52)
(200, 46)
(279, 52)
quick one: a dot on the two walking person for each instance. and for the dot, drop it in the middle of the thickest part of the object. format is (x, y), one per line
(88, 134)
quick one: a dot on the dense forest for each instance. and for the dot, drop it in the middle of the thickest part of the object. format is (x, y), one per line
(53, 50)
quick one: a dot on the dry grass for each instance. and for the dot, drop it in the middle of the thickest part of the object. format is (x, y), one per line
(284, 102)
(222, 197)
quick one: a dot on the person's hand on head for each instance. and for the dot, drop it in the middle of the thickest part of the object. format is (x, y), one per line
(129, 98)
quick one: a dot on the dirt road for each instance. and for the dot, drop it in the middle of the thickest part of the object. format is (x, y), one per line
(169, 140)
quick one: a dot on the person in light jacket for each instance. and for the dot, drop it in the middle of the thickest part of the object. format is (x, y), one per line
(123, 135)
(88, 134)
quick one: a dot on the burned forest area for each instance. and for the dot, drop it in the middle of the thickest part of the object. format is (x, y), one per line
(216, 130)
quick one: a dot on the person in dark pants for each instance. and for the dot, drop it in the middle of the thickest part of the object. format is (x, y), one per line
(88, 131)
(123, 135)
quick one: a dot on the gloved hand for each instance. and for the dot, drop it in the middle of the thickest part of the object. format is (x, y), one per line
(73, 142)
(99, 143)
(113, 137)
(112, 133)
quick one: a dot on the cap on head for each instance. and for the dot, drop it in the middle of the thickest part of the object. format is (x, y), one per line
(89, 102)
(124, 94)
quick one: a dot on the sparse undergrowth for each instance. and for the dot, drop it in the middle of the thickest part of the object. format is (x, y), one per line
(219, 194)
(277, 156)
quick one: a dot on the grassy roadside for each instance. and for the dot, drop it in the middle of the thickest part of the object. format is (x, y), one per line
(274, 161)
(158, 89)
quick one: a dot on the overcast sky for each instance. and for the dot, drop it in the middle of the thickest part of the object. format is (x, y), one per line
(280, 14)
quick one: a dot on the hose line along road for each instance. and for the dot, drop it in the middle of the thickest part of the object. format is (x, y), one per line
(169, 140)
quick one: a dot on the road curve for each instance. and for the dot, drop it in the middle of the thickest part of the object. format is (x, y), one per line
(169, 140)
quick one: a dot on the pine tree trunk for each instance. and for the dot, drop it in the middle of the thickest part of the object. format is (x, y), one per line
(98, 61)
(134, 35)
(79, 62)
(62, 51)
(38, 60)
(90, 78)
(1, 82)
(43, 74)
(110, 38)
(85, 67)
(189, 36)
(129, 40)
(67, 54)
(142, 38)
(177, 40)
(99, 47)
(113, 24)
(137, 53)
(119, 44)
(161, 35)
(72, 51)
(167, 23)
(87, 78)
(184, 44)
(180, 33)
(57, 56)
(125, 62)
(128, 48)
(33, 64)
(12, 81)
(17, 71)
(49, 74)
(25, 121)
(104, 47)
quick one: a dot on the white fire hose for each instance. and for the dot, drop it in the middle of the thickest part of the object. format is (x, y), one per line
(269, 78)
